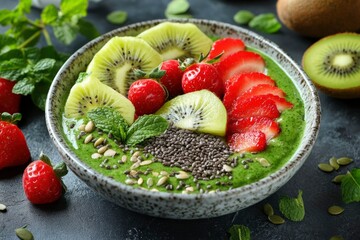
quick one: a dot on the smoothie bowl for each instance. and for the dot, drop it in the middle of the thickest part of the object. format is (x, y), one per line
(206, 151)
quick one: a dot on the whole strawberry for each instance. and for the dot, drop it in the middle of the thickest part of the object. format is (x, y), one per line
(13, 147)
(200, 76)
(172, 77)
(9, 101)
(42, 183)
(147, 95)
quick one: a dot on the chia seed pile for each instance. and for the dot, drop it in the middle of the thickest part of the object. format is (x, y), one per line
(205, 156)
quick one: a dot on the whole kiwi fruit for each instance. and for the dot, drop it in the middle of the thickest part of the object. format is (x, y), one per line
(319, 18)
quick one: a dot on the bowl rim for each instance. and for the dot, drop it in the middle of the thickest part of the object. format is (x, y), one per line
(75, 161)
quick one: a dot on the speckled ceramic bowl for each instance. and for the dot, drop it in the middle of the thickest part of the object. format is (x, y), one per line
(182, 206)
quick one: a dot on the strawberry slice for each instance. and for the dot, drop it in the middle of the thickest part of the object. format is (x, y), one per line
(226, 46)
(280, 102)
(252, 141)
(263, 89)
(240, 83)
(252, 107)
(240, 62)
(263, 124)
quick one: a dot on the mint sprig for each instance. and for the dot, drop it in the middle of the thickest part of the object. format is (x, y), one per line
(292, 208)
(239, 232)
(350, 186)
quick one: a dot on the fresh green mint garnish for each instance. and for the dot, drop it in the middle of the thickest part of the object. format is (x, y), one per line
(266, 23)
(292, 208)
(117, 17)
(177, 9)
(239, 232)
(350, 186)
(109, 121)
(145, 127)
(243, 17)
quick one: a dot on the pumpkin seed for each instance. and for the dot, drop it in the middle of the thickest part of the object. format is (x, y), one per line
(268, 210)
(2, 207)
(24, 234)
(109, 153)
(333, 163)
(182, 175)
(335, 210)
(263, 162)
(325, 167)
(146, 162)
(149, 182)
(99, 141)
(88, 138)
(95, 155)
(344, 161)
(162, 181)
(337, 237)
(89, 127)
(276, 219)
(338, 178)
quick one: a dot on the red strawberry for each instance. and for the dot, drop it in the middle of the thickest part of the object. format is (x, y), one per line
(147, 95)
(172, 77)
(252, 107)
(42, 183)
(252, 141)
(9, 101)
(263, 124)
(240, 83)
(226, 46)
(280, 102)
(240, 62)
(13, 147)
(263, 89)
(202, 76)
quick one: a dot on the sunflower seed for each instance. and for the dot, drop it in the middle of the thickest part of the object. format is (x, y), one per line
(135, 165)
(124, 158)
(189, 189)
(2, 207)
(227, 168)
(333, 163)
(338, 178)
(268, 210)
(109, 153)
(82, 127)
(99, 141)
(162, 181)
(102, 149)
(95, 155)
(146, 162)
(89, 127)
(164, 173)
(140, 181)
(155, 174)
(344, 161)
(325, 167)
(88, 138)
(275, 219)
(136, 154)
(263, 162)
(182, 175)
(149, 182)
(335, 210)
(130, 181)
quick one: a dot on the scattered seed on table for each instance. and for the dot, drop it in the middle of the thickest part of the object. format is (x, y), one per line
(89, 127)
(24, 234)
(338, 178)
(333, 163)
(276, 219)
(2, 207)
(335, 210)
(325, 167)
(268, 210)
(344, 161)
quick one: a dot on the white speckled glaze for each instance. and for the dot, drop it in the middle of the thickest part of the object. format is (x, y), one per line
(182, 206)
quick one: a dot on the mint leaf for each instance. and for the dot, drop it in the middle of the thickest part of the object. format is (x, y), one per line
(24, 87)
(72, 8)
(266, 23)
(239, 232)
(50, 14)
(117, 17)
(24, 6)
(109, 121)
(65, 33)
(177, 7)
(350, 186)
(293, 208)
(44, 65)
(87, 29)
(243, 17)
(13, 69)
(6, 41)
(145, 127)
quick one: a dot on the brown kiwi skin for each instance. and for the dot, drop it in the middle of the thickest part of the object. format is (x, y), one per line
(319, 18)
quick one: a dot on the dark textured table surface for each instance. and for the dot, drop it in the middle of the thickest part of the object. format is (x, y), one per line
(83, 214)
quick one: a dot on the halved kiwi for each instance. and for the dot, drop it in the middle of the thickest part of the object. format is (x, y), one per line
(177, 40)
(333, 64)
(91, 93)
(201, 111)
(115, 62)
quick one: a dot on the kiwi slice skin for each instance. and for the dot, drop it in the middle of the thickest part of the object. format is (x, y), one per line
(333, 64)
(200, 111)
(115, 62)
(91, 93)
(177, 40)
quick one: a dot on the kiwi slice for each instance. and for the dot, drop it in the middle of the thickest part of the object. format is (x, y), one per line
(115, 62)
(200, 111)
(333, 64)
(91, 93)
(177, 40)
